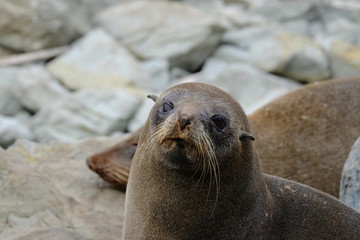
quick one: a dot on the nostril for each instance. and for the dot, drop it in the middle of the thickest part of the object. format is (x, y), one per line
(184, 121)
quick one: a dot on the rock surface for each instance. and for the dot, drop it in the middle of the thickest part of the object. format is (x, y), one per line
(276, 50)
(86, 113)
(36, 88)
(350, 179)
(284, 10)
(252, 87)
(150, 30)
(5, 52)
(47, 192)
(344, 57)
(252, 49)
(53, 234)
(98, 61)
(28, 25)
(12, 129)
(158, 71)
(235, 17)
(9, 103)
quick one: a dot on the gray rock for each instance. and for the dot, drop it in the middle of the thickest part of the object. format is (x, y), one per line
(95, 6)
(24, 117)
(236, 18)
(298, 26)
(53, 234)
(36, 88)
(343, 29)
(275, 50)
(252, 87)
(48, 192)
(9, 104)
(12, 129)
(332, 9)
(284, 10)
(141, 115)
(209, 5)
(28, 25)
(344, 57)
(98, 61)
(5, 52)
(176, 73)
(350, 179)
(223, 56)
(159, 29)
(86, 113)
(337, 18)
(158, 70)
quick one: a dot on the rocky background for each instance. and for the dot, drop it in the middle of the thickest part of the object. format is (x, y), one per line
(85, 69)
(119, 51)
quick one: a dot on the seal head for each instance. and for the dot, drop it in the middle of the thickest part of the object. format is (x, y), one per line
(189, 134)
(194, 145)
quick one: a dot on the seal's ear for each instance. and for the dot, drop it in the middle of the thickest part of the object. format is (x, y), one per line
(153, 97)
(247, 135)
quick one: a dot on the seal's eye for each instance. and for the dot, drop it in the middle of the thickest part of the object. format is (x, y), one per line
(167, 106)
(219, 122)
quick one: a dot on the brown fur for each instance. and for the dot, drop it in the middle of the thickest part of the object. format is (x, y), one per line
(307, 135)
(169, 198)
(113, 164)
(303, 136)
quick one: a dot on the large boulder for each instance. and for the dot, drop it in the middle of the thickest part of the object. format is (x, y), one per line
(343, 29)
(276, 50)
(209, 5)
(158, 70)
(332, 9)
(85, 113)
(159, 29)
(36, 88)
(28, 25)
(235, 18)
(344, 57)
(284, 10)
(252, 87)
(95, 6)
(350, 179)
(48, 192)
(98, 61)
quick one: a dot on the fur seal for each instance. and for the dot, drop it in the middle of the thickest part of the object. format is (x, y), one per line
(196, 175)
(304, 136)
(113, 164)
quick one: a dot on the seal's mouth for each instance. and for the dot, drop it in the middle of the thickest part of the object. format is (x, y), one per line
(179, 142)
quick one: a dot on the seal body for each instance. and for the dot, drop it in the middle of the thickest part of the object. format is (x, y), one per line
(195, 175)
(304, 136)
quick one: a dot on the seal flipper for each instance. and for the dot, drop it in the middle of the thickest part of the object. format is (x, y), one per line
(153, 97)
(247, 135)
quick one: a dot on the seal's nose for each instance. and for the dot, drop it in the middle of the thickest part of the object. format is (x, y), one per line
(184, 120)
